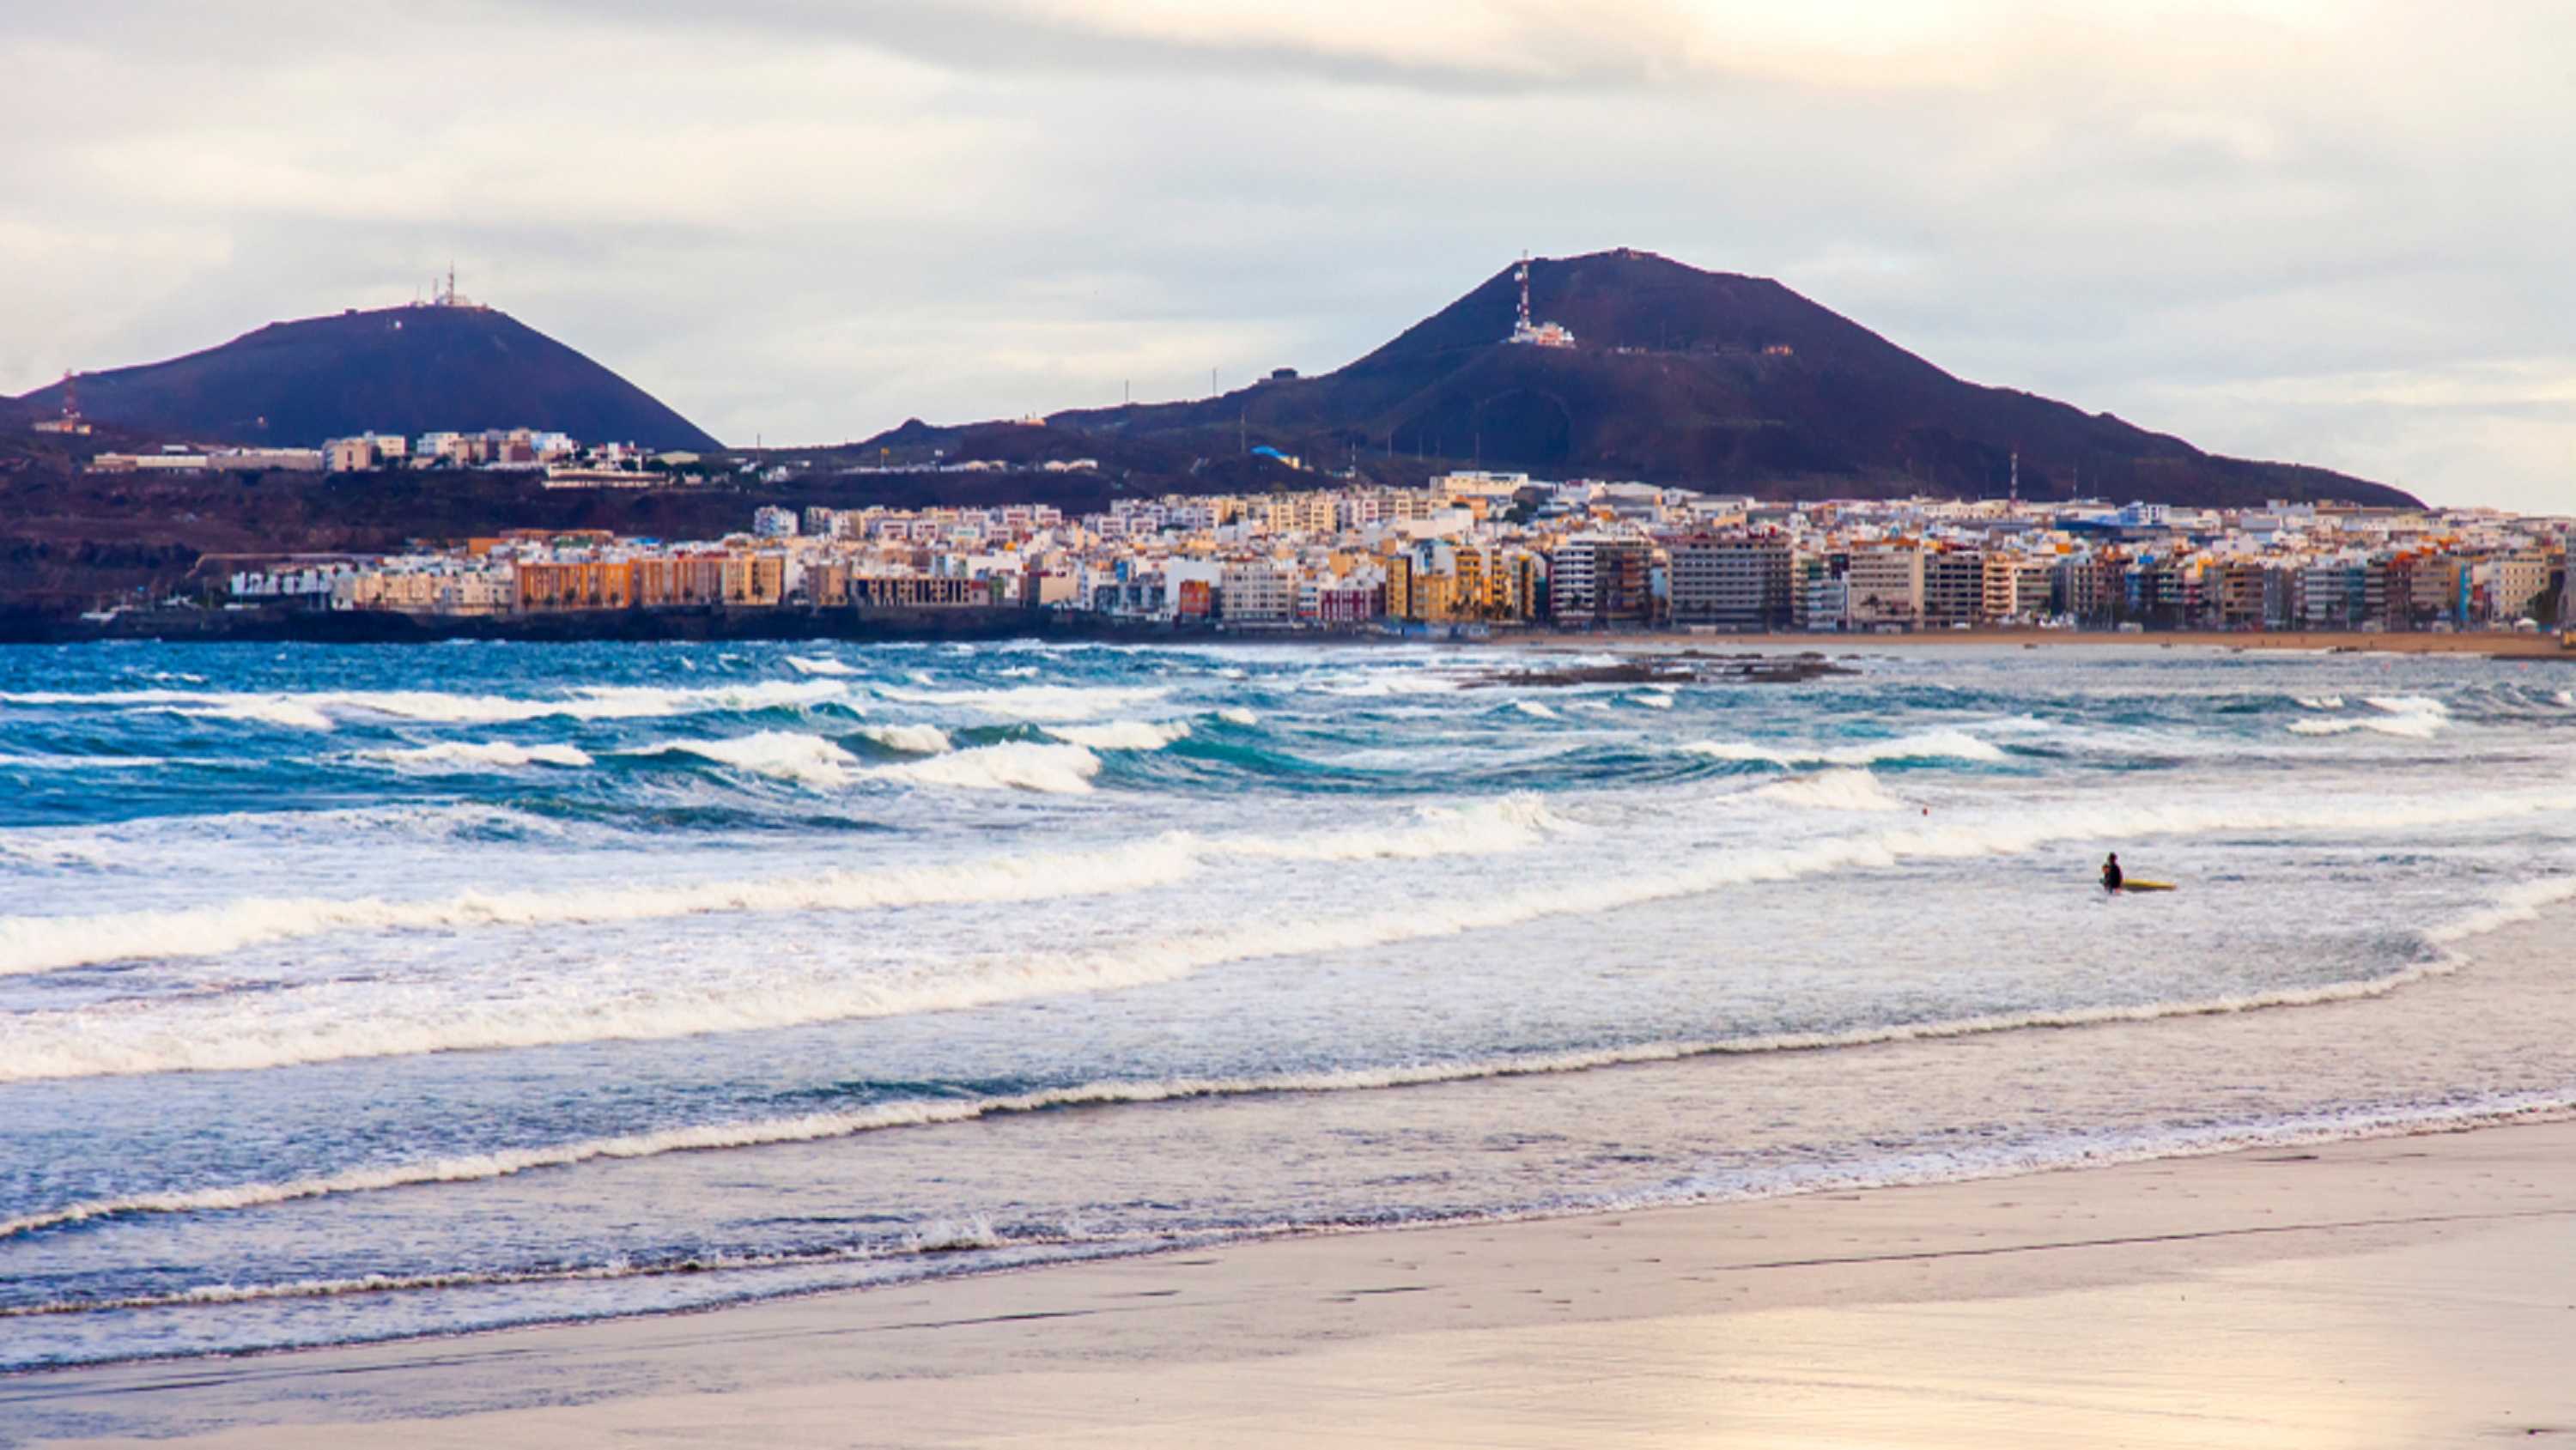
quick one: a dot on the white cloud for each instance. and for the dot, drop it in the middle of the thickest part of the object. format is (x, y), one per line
(2327, 232)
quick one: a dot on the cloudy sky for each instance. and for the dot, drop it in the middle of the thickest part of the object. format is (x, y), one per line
(2335, 231)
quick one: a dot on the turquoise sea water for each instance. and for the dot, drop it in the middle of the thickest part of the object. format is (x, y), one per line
(348, 992)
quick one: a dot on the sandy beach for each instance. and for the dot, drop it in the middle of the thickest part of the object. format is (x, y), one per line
(2416, 1290)
(2412, 1291)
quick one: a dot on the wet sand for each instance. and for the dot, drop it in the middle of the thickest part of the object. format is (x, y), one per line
(2405, 1291)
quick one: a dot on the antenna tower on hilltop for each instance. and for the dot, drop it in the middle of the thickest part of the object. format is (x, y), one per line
(1538, 334)
(70, 421)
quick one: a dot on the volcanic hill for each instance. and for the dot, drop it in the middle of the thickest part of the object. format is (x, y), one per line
(1677, 376)
(406, 370)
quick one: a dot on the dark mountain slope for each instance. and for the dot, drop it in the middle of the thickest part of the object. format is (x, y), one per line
(402, 370)
(1707, 380)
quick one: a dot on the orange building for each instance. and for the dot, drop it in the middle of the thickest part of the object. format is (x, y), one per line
(688, 579)
(581, 584)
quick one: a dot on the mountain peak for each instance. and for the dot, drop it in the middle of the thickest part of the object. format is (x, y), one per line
(1713, 380)
(423, 368)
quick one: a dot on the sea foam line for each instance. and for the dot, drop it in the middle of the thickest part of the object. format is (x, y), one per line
(1928, 745)
(2056, 1153)
(814, 1127)
(67, 1044)
(1036, 703)
(319, 710)
(976, 1232)
(31, 944)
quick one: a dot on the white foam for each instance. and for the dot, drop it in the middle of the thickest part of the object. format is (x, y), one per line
(263, 710)
(807, 666)
(2412, 717)
(1535, 709)
(1833, 790)
(1928, 745)
(1235, 716)
(1512, 823)
(492, 753)
(42, 851)
(2407, 704)
(808, 760)
(1380, 685)
(49, 943)
(2513, 905)
(30, 944)
(65, 1044)
(316, 710)
(1652, 701)
(1011, 765)
(1121, 734)
(922, 1112)
(910, 739)
(2321, 702)
(80, 762)
(1036, 703)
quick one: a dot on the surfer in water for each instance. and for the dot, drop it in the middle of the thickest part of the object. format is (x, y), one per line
(2112, 876)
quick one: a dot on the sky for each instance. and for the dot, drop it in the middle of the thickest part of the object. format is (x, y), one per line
(2334, 233)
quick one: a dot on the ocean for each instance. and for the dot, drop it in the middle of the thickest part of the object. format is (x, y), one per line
(351, 993)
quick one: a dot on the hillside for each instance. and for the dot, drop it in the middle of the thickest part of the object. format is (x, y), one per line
(400, 370)
(1678, 376)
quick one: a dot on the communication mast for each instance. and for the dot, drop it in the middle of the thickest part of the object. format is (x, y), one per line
(1535, 334)
(70, 421)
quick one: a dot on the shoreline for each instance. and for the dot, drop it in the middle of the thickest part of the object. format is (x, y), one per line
(2396, 1246)
(1932, 1308)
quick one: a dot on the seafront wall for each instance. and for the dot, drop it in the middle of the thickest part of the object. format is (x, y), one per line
(992, 622)
(714, 622)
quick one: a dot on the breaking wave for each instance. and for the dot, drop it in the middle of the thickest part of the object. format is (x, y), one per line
(30, 944)
(1512, 823)
(921, 1112)
(1833, 790)
(470, 754)
(1928, 745)
(321, 710)
(910, 739)
(808, 760)
(1121, 734)
(83, 1050)
(1011, 765)
(1038, 704)
(2412, 717)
